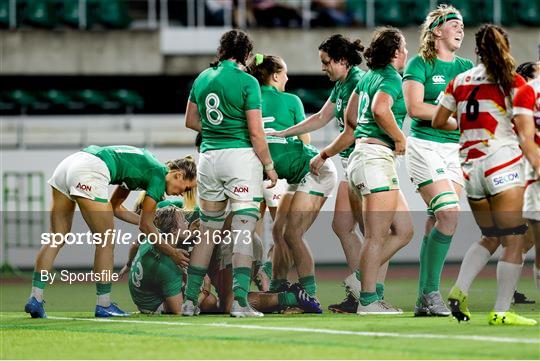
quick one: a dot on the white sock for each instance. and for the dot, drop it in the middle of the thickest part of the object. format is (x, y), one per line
(507, 279)
(475, 260)
(104, 300)
(37, 293)
(537, 277)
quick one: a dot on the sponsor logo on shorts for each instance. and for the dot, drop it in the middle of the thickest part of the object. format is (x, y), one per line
(241, 189)
(438, 79)
(394, 181)
(84, 187)
(361, 186)
(276, 197)
(506, 178)
(439, 170)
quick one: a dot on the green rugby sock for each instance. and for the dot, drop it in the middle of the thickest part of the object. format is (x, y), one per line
(308, 283)
(36, 280)
(379, 288)
(287, 299)
(436, 249)
(276, 283)
(267, 268)
(195, 278)
(103, 292)
(241, 282)
(422, 272)
(367, 298)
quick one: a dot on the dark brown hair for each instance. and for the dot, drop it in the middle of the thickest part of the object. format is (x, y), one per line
(384, 44)
(262, 72)
(234, 44)
(339, 47)
(493, 49)
(527, 70)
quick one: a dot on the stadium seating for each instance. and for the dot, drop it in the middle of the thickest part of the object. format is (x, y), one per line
(40, 13)
(4, 14)
(114, 14)
(528, 12)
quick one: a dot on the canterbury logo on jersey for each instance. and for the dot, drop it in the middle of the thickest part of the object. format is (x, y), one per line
(241, 189)
(438, 79)
(84, 187)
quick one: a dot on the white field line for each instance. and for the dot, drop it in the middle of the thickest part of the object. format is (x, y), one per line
(317, 330)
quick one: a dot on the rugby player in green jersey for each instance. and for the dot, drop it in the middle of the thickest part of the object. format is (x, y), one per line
(82, 179)
(340, 58)
(225, 106)
(433, 154)
(291, 159)
(275, 71)
(372, 170)
(155, 281)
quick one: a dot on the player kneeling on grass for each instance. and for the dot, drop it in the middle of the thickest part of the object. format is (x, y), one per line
(491, 160)
(82, 179)
(155, 280)
(291, 161)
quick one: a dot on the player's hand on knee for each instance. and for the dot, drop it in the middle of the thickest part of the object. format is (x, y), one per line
(181, 258)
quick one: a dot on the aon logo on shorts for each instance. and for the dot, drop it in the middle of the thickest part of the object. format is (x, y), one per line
(507, 178)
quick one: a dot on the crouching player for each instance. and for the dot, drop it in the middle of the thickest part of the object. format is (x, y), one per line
(82, 179)
(155, 280)
(527, 118)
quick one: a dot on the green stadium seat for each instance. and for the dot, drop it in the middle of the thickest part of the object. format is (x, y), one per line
(128, 98)
(358, 10)
(69, 12)
(4, 14)
(508, 12)
(91, 98)
(417, 10)
(114, 14)
(40, 13)
(57, 98)
(391, 12)
(23, 98)
(468, 8)
(528, 12)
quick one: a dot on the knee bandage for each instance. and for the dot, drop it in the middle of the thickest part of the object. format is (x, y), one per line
(443, 200)
(490, 231)
(242, 229)
(213, 219)
(515, 231)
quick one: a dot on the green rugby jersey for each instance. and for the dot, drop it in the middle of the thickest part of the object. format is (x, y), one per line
(386, 80)
(177, 202)
(291, 158)
(340, 97)
(280, 110)
(133, 168)
(435, 76)
(223, 94)
(153, 277)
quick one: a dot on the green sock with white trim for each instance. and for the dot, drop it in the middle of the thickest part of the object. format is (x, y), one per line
(195, 279)
(422, 271)
(308, 283)
(437, 248)
(241, 283)
(103, 291)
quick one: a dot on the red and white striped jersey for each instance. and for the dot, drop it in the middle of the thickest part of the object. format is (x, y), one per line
(484, 112)
(527, 102)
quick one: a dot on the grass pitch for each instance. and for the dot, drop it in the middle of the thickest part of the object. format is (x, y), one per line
(71, 332)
